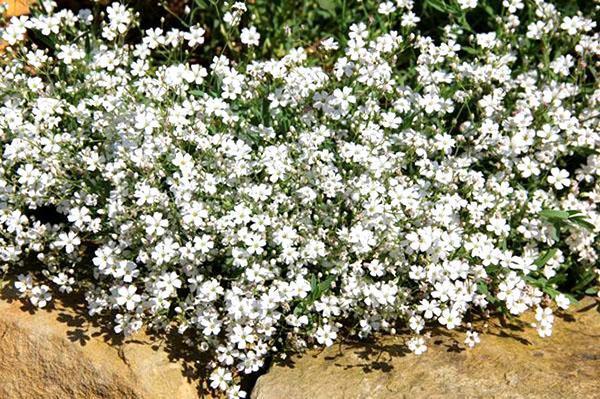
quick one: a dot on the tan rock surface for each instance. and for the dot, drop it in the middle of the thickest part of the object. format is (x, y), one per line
(515, 363)
(60, 353)
(16, 7)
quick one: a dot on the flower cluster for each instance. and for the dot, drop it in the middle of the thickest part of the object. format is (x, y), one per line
(387, 179)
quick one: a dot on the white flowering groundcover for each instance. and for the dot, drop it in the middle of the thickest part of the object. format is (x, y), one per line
(383, 179)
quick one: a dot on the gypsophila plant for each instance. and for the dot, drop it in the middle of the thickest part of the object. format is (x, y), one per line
(256, 198)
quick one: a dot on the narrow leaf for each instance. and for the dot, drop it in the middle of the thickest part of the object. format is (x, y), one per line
(543, 259)
(553, 214)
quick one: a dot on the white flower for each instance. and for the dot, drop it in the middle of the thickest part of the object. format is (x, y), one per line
(559, 178)
(498, 226)
(325, 335)
(195, 36)
(235, 392)
(449, 318)
(242, 335)
(429, 308)
(562, 301)
(220, 379)
(68, 241)
(126, 295)
(523, 264)
(545, 320)
(376, 268)
(472, 339)
(409, 19)
(431, 103)
(24, 283)
(417, 345)
(126, 324)
(329, 44)
(528, 167)
(420, 241)
(467, 4)
(250, 36)
(40, 296)
(386, 8)
(155, 224)
(70, 53)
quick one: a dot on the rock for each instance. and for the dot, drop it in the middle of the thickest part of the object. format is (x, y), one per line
(60, 353)
(510, 362)
(16, 7)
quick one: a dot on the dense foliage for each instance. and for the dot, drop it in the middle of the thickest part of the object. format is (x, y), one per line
(266, 176)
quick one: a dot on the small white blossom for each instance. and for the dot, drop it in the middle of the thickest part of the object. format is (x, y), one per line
(559, 178)
(40, 296)
(250, 36)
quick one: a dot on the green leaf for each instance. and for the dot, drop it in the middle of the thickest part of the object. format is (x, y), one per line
(581, 221)
(551, 292)
(554, 233)
(440, 6)
(571, 216)
(591, 291)
(471, 50)
(543, 259)
(536, 282)
(327, 5)
(559, 279)
(572, 299)
(585, 280)
(482, 288)
(313, 283)
(43, 38)
(553, 214)
(298, 310)
(489, 10)
(326, 284)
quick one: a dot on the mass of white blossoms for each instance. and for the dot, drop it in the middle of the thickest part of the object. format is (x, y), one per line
(381, 181)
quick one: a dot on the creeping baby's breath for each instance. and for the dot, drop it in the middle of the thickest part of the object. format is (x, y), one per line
(407, 172)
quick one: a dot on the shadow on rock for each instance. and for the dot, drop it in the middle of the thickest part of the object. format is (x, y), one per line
(81, 329)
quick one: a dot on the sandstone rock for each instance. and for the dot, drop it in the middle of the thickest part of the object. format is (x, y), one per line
(16, 7)
(513, 362)
(61, 353)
